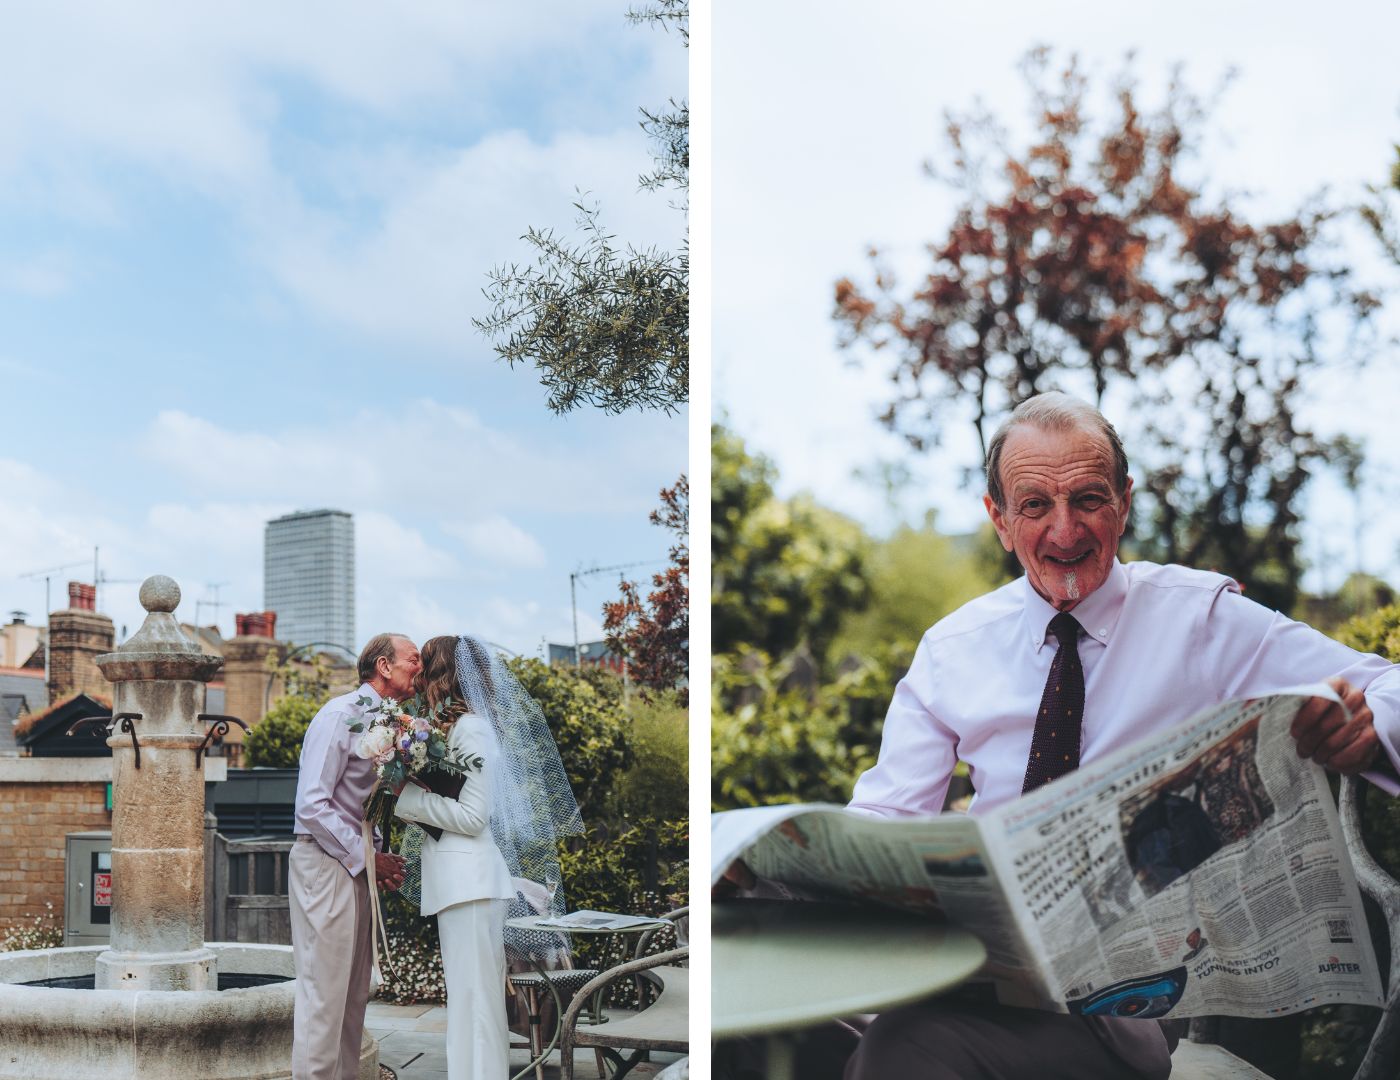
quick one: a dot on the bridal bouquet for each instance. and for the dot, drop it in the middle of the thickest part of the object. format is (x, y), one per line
(405, 741)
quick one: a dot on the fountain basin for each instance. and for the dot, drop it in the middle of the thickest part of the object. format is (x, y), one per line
(56, 1033)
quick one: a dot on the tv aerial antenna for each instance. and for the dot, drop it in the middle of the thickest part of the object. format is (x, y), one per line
(590, 572)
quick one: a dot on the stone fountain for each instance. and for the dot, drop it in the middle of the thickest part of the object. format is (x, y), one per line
(149, 1004)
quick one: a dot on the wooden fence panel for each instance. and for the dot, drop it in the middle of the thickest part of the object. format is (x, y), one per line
(246, 890)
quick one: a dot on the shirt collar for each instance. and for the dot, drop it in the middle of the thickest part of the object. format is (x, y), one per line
(1097, 613)
(370, 692)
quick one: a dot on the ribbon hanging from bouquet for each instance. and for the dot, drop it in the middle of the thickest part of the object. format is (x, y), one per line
(377, 933)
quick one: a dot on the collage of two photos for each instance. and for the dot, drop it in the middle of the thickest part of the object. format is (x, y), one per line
(1044, 714)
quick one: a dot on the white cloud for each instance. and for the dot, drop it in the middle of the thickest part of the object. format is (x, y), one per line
(81, 78)
(214, 103)
(218, 528)
(395, 552)
(49, 526)
(504, 620)
(417, 272)
(499, 541)
(46, 274)
(21, 482)
(346, 465)
(384, 606)
(213, 549)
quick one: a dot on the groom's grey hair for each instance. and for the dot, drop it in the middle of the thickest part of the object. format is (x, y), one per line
(381, 645)
(1056, 411)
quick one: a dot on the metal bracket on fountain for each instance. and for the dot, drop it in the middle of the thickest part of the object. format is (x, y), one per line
(78, 725)
(218, 730)
(123, 719)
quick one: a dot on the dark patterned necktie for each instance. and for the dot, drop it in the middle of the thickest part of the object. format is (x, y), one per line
(1055, 744)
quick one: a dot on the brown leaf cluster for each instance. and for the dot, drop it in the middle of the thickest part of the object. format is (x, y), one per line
(1095, 261)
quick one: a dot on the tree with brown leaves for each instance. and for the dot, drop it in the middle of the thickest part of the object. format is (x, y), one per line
(653, 635)
(1087, 261)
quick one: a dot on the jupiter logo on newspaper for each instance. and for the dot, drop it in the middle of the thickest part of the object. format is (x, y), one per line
(1336, 967)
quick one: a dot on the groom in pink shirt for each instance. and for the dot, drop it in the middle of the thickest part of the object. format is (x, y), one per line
(328, 885)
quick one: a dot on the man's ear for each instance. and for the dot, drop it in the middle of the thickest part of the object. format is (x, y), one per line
(999, 522)
(1127, 507)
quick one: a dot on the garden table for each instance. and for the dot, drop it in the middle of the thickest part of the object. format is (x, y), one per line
(546, 925)
(779, 966)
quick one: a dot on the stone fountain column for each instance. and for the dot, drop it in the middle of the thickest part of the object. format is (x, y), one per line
(158, 809)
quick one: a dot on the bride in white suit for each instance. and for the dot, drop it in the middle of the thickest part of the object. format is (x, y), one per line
(498, 842)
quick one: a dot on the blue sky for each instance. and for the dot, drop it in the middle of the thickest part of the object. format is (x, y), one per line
(239, 258)
(1316, 103)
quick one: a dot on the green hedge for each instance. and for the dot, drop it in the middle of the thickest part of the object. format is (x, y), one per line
(1335, 1036)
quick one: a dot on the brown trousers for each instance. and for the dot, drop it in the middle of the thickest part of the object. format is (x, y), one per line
(954, 1040)
(331, 947)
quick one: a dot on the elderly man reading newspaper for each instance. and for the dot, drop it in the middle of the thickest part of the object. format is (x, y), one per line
(1077, 659)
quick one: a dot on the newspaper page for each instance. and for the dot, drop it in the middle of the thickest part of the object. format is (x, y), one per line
(587, 919)
(1202, 871)
(938, 866)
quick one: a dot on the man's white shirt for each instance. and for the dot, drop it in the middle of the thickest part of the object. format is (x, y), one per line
(1160, 644)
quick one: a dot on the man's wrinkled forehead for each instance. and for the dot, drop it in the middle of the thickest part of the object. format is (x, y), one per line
(1072, 455)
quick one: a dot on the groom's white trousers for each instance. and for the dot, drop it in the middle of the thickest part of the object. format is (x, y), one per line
(331, 947)
(474, 962)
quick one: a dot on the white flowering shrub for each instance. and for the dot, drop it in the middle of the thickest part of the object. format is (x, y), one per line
(41, 932)
(417, 976)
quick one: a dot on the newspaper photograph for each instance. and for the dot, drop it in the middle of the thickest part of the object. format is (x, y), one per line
(1201, 871)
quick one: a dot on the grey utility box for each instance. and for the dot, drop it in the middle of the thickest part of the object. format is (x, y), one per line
(87, 889)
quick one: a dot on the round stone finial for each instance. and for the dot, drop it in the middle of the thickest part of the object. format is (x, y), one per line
(160, 593)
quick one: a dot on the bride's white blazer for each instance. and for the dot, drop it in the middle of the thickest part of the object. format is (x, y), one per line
(465, 864)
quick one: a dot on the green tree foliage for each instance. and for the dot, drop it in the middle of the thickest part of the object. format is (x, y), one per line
(775, 744)
(275, 741)
(784, 573)
(916, 576)
(585, 713)
(1376, 631)
(604, 326)
(1360, 595)
(814, 622)
(1087, 259)
(632, 856)
(656, 785)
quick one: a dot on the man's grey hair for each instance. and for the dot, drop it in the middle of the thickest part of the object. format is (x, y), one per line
(1055, 411)
(381, 645)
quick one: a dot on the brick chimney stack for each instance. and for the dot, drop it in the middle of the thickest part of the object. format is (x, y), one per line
(247, 692)
(77, 636)
(256, 624)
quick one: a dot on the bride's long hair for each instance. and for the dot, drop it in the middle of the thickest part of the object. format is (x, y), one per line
(437, 679)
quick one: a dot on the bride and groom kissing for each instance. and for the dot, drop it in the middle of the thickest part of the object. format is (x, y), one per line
(482, 853)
